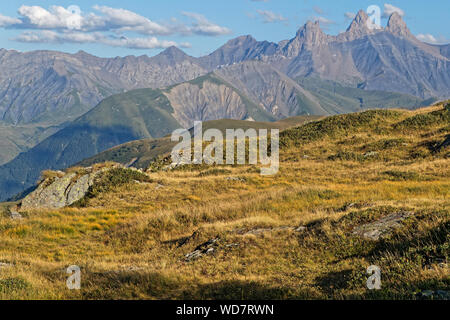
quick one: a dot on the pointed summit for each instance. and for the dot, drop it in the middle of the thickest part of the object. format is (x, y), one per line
(308, 36)
(397, 26)
(358, 28)
(311, 33)
(359, 23)
(174, 52)
(171, 55)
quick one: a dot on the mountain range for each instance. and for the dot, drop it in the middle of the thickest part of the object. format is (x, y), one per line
(69, 107)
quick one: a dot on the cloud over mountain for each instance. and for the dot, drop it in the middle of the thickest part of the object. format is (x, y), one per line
(47, 36)
(106, 25)
(389, 9)
(429, 38)
(270, 17)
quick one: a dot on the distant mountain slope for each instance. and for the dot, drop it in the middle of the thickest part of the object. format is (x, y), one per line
(17, 139)
(283, 97)
(137, 114)
(237, 50)
(141, 153)
(144, 113)
(252, 91)
(48, 88)
(387, 59)
(337, 98)
(210, 97)
(56, 87)
(276, 93)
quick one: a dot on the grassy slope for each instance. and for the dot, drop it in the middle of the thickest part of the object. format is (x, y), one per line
(142, 152)
(124, 239)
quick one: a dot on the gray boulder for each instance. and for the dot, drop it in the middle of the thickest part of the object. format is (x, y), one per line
(59, 192)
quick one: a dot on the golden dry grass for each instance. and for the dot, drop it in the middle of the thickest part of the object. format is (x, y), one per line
(125, 240)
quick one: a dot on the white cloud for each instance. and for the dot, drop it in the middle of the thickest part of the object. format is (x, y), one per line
(35, 17)
(318, 10)
(57, 17)
(350, 15)
(47, 36)
(202, 26)
(7, 21)
(125, 20)
(105, 25)
(429, 38)
(139, 43)
(269, 16)
(389, 9)
(323, 21)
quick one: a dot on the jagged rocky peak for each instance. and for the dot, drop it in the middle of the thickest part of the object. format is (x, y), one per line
(308, 36)
(358, 28)
(311, 33)
(396, 25)
(359, 23)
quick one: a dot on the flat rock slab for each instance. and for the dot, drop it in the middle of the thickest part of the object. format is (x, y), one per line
(15, 215)
(383, 227)
(4, 265)
(204, 249)
(61, 191)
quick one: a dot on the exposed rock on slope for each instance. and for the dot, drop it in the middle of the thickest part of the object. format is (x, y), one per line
(398, 27)
(383, 227)
(48, 88)
(56, 87)
(277, 93)
(387, 59)
(209, 101)
(60, 191)
(237, 50)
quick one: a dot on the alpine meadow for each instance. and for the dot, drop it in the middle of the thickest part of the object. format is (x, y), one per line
(312, 168)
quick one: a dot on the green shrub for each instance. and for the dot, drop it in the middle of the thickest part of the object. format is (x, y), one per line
(337, 125)
(111, 179)
(346, 156)
(423, 120)
(214, 172)
(402, 176)
(11, 285)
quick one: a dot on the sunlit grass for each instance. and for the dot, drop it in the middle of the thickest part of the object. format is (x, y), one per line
(123, 236)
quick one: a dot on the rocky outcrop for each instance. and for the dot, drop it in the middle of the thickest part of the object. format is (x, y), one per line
(308, 36)
(60, 191)
(358, 28)
(206, 248)
(382, 228)
(397, 26)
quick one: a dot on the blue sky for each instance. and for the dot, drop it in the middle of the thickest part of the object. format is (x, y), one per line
(111, 28)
